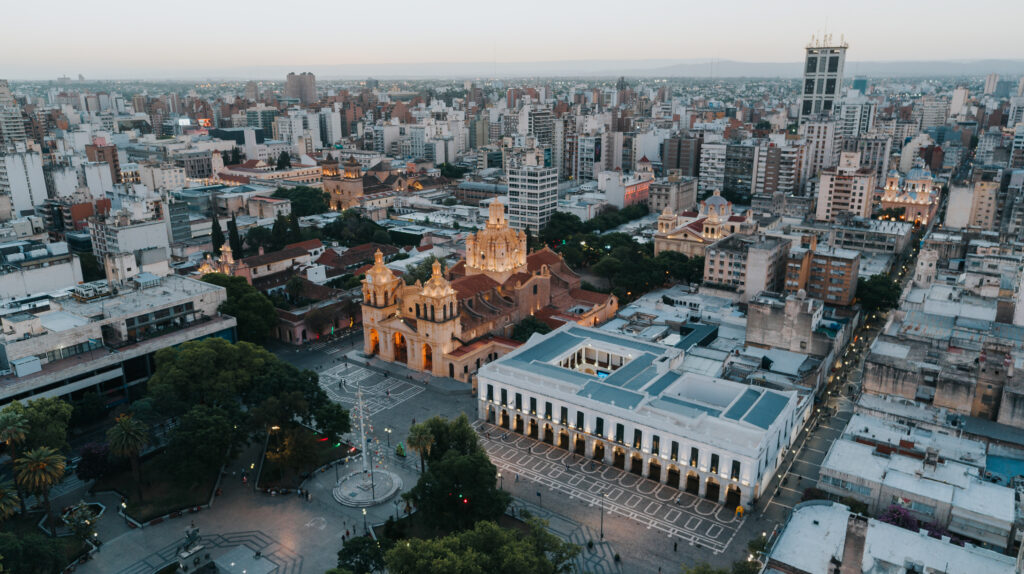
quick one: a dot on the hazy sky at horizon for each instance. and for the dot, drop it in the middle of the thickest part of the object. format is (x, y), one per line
(121, 39)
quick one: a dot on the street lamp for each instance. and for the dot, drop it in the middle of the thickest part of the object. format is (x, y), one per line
(395, 502)
(389, 431)
(366, 529)
(501, 482)
(604, 495)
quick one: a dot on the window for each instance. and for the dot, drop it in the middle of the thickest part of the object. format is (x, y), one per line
(563, 416)
(504, 397)
(714, 464)
(490, 392)
(547, 410)
(579, 420)
(833, 64)
(533, 406)
(675, 451)
(620, 432)
(519, 401)
(638, 437)
(599, 427)
(694, 456)
(812, 64)
(735, 474)
(534, 289)
(655, 444)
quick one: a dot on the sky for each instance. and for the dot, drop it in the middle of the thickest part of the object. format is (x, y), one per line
(122, 39)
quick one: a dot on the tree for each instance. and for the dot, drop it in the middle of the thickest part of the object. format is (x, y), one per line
(13, 427)
(422, 271)
(452, 435)
(703, 568)
(81, 519)
(279, 233)
(879, 293)
(363, 554)
(899, 516)
(294, 231)
(39, 470)
(294, 288)
(236, 156)
(253, 310)
(449, 201)
(382, 236)
(234, 240)
(260, 237)
(305, 200)
(9, 500)
(420, 440)
(87, 410)
(485, 548)
(46, 421)
(298, 449)
(31, 553)
(528, 326)
(127, 438)
(204, 439)
(284, 161)
(216, 236)
(94, 461)
(607, 267)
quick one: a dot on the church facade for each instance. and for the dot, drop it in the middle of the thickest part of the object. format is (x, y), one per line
(690, 232)
(460, 320)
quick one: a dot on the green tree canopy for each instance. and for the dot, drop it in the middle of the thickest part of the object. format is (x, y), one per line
(528, 326)
(363, 554)
(284, 161)
(216, 236)
(879, 293)
(459, 490)
(485, 549)
(253, 310)
(234, 240)
(31, 553)
(352, 229)
(423, 270)
(260, 237)
(45, 422)
(305, 200)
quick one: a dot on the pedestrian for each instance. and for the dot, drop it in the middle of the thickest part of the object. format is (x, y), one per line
(679, 498)
(517, 477)
(675, 547)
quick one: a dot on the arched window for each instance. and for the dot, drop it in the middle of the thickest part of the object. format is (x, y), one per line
(417, 310)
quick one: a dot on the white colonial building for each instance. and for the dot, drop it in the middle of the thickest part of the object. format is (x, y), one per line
(625, 402)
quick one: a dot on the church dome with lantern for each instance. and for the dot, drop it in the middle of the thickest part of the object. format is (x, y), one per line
(497, 250)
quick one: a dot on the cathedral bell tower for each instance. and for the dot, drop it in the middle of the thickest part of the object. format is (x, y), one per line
(437, 323)
(380, 301)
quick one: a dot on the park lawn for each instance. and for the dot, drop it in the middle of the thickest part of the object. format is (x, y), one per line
(71, 547)
(276, 474)
(161, 492)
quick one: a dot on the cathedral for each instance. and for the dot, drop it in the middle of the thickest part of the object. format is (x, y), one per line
(460, 320)
(690, 232)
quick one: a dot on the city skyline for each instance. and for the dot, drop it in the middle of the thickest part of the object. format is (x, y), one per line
(223, 43)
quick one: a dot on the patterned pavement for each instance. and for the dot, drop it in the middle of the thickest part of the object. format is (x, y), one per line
(679, 515)
(380, 392)
(287, 561)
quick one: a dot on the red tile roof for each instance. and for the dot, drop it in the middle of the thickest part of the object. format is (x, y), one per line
(468, 286)
(592, 297)
(697, 226)
(547, 316)
(274, 256)
(737, 218)
(308, 245)
(545, 256)
(476, 345)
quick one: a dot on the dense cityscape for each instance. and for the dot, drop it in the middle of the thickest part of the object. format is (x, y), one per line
(598, 323)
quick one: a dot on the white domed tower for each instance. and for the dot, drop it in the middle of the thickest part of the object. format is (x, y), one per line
(497, 250)
(380, 301)
(716, 209)
(437, 322)
(667, 220)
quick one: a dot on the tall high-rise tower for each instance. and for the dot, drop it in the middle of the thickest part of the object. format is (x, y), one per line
(301, 86)
(823, 77)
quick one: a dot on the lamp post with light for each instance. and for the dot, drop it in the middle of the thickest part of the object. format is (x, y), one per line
(501, 482)
(366, 529)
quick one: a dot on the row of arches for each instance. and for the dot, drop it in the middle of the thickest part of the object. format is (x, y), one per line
(401, 350)
(621, 458)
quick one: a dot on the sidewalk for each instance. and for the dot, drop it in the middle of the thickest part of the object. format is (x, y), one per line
(442, 385)
(598, 560)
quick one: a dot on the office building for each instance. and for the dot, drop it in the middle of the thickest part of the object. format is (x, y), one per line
(682, 153)
(22, 180)
(29, 267)
(99, 152)
(874, 149)
(674, 193)
(92, 339)
(824, 273)
(301, 87)
(627, 403)
(846, 188)
(741, 266)
(823, 77)
(822, 146)
(777, 167)
(532, 197)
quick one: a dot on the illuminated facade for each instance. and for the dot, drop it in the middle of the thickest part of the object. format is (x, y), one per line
(690, 232)
(450, 326)
(917, 195)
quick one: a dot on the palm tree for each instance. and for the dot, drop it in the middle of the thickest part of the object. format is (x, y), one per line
(9, 500)
(420, 440)
(127, 438)
(37, 471)
(13, 427)
(13, 431)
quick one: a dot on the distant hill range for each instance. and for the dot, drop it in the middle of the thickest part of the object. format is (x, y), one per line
(694, 68)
